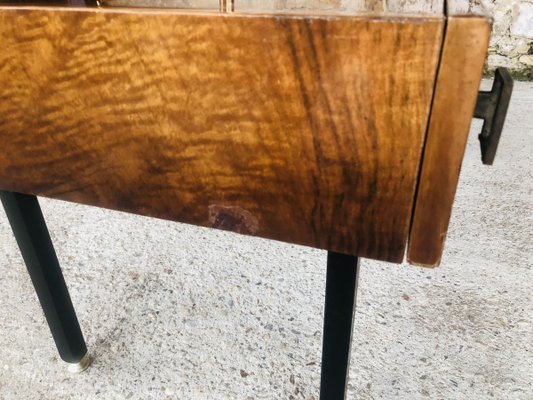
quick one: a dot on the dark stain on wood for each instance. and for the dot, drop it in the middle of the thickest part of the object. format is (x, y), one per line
(232, 218)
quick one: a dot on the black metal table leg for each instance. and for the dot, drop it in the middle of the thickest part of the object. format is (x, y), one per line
(34, 241)
(341, 288)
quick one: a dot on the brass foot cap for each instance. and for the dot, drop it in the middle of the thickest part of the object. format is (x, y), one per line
(80, 366)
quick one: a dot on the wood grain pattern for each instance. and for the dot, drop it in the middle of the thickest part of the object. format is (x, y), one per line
(464, 51)
(305, 130)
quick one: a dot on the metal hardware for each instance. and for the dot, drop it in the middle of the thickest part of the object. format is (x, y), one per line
(29, 228)
(80, 366)
(341, 289)
(491, 107)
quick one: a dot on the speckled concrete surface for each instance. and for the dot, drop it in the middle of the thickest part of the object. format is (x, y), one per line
(176, 312)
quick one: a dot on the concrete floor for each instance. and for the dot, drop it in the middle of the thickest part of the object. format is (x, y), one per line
(176, 312)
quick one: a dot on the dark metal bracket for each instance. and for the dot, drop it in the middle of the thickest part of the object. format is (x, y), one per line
(491, 107)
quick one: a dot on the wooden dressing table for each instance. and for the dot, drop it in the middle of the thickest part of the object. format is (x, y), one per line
(336, 125)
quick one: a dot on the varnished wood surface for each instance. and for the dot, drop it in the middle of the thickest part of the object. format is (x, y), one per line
(306, 130)
(465, 47)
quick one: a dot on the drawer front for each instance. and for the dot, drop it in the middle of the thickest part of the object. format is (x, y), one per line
(307, 130)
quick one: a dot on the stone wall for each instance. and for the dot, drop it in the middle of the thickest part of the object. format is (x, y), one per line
(511, 43)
